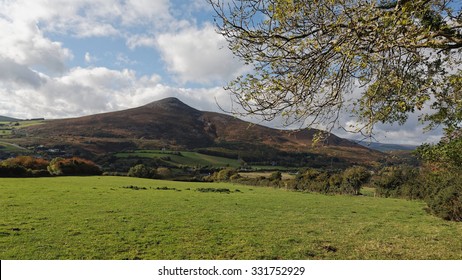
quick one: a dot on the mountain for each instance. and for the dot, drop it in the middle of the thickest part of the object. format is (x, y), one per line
(383, 147)
(169, 123)
(8, 119)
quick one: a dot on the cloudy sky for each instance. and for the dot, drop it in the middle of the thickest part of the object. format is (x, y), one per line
(67, 58)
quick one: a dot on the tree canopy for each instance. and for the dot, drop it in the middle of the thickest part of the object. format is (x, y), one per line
(379, 60)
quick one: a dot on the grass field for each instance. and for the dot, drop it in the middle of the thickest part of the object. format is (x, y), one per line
(105, 218)
(183, 158)
(8, 147)
(6, 127)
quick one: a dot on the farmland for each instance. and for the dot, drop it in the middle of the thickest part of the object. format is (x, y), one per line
(132, 218)
(182, 158)
(6, 127)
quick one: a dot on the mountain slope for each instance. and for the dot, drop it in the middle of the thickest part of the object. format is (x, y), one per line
(8, 119)
(169, 121)
(172, 124)
(384, 147)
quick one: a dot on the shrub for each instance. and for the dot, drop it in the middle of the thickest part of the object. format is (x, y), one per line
(24, 166)
(135, 188)
(354, 178)
(141, 171)
(441, 189)
(447, 203)
(217, 190)
(73, 166)
(312, 180)
(13, 171)
(335, 183)
(27, 162)
(163, 172)
(224, 175)
(397, 181)
(275, 176)
(443, 193)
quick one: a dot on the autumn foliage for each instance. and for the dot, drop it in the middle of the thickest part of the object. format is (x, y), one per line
(28, 166)
(73, 166)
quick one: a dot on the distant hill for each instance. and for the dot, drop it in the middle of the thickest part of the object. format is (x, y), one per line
(8, 119)
(169, 123)
(382, 147)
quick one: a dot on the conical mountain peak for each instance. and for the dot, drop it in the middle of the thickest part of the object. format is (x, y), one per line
(170, 103)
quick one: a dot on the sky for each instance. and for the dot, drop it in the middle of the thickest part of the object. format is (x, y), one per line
(69, 58)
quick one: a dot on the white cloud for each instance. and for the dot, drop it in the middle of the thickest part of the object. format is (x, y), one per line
(198, 55)
(146, 11)
(91, 18)
(84, 91)
(25, 44)
(137, 40)
(123, 59)
(15, 75)
(89, 58)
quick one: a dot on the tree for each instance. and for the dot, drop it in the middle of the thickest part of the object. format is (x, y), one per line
(354, 177)
(73, 166)
(446, 154)
(27, 162)
(310, 57)
(141, 171)
(276, 176)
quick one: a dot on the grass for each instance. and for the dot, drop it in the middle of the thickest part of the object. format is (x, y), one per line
(110, 218)
(8, 147)
(183, 158)
(6, 127)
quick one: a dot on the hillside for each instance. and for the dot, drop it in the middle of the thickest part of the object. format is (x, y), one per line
(384, 147)
(171, 124)
(8, 119)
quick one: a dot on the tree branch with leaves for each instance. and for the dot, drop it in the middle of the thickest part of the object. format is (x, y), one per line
(378, 60)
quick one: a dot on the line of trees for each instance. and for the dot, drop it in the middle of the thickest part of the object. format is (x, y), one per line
(348, 181)
(441, 189)
(28, 166)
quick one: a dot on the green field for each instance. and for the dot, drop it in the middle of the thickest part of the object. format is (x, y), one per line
(6, 127)
(105, 218)
(183, 158)
(8, 147)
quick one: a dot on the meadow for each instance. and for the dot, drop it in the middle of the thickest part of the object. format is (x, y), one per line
(131, 218)
(182, 158)
(6, 127)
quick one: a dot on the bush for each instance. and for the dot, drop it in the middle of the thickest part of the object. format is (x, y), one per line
(24, 166)
(335, 182)
(397, 181)
(441, 189)
(217, 190)
(163, 172)
(27, 162)
(13, 171)
(312, 180)
(447, 203)
(354, 178)
(141, 171)
(73, 166)
(224, 175)
(443, 193)
(275, 176)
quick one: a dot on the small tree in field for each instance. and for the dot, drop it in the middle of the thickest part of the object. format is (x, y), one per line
(354, 178)
(141, 171)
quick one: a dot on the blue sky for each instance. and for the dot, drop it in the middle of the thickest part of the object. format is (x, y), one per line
(67, 58)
